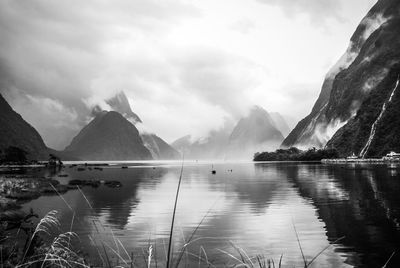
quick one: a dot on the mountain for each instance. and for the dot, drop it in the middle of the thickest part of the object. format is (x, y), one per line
(213, 146)
(109, 136)
(183, 144)
(15, 131)
(120, 104)
(158, 148)
(356, 87)
(280, 123)
(255, 132)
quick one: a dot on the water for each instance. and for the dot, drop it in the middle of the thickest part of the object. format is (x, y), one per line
(256, 207)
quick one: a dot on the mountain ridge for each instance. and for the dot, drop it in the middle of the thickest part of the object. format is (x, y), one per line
(15, 131)
(368, 60)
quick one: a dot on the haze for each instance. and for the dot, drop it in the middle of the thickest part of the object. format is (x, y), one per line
(185, 66)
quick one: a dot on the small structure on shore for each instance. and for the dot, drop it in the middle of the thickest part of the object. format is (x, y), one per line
(353, 156)
(392, 156)
(54, 161)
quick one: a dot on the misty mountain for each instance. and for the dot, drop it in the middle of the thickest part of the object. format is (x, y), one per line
(158, 148)
(280, 123)
(361, 78)
(213, 146)
(182, 144)
(255, 132)
(120, 104)
(15, 131)
(109, 136)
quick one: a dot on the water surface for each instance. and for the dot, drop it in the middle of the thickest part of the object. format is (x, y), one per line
(254, 206)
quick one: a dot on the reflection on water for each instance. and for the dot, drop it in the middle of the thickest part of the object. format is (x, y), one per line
(255, 206)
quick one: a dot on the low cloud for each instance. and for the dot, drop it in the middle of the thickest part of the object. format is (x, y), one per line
(56, 122)
(183, 71)
(317, 10)
(243, 26)
(219, 78)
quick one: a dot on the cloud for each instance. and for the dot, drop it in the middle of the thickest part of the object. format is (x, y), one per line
(243, 26)
(58, 50)
(219, 78)
(185, 66)
(55, 121)
(317, 10)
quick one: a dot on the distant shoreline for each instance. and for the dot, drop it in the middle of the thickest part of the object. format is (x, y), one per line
(359, 160)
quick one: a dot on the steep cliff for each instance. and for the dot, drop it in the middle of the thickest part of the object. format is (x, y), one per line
(366, 66)
(15, 131)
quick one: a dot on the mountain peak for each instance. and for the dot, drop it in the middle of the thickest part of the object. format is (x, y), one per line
(120, 104)
(109, 136)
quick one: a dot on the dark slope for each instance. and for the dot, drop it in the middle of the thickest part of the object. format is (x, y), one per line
(15, 131)
(158, 148)
(109, 136)
(372, 53)
(354, 135)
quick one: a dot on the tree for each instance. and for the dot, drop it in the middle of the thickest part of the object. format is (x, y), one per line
(15, 154)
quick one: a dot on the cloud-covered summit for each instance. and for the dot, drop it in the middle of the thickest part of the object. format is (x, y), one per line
(185, 66)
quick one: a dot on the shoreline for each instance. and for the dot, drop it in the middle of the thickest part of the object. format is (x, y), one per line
(360, 160)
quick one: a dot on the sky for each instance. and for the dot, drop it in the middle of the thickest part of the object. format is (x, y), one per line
(186, 66)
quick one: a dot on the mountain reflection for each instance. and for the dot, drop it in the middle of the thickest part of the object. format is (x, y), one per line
(254, 205)
(358, 202)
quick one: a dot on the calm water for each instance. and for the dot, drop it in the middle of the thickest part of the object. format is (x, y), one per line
(256, 206)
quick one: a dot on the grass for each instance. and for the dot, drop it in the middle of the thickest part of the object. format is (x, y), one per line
(59, 251)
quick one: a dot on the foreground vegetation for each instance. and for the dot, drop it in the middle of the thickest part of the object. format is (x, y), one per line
(295, 154)
(26, 241)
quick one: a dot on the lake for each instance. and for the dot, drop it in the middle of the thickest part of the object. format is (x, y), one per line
(259, 209)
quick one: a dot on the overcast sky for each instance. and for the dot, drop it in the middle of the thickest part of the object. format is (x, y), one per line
(184, 65)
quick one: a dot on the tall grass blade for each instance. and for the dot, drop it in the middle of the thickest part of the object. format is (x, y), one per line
(150, 254)
(98, 251)
(387, 262)
(65, 201)
(105, 253)
(173, 216)
(298, 241)
(44, 225)
(319, 253)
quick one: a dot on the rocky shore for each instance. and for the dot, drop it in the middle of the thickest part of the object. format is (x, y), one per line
(17, 189)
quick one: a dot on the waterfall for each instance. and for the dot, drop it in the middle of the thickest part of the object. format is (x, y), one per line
(375, 124)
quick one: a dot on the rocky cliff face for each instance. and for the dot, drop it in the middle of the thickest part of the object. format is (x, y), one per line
(109, 136)
(15, 131)
(366, 66)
